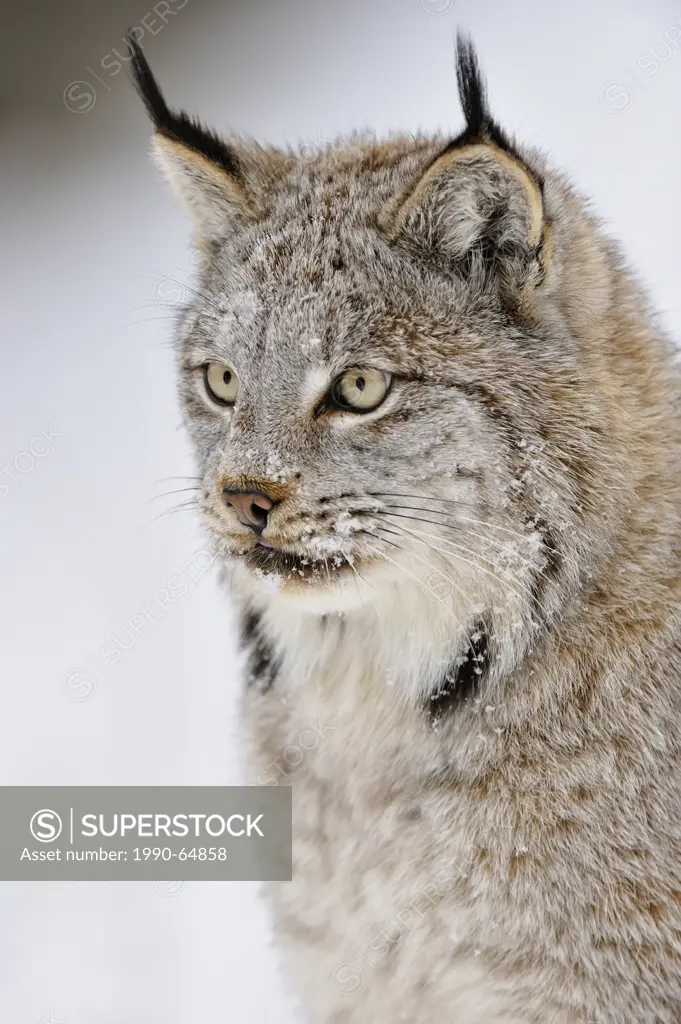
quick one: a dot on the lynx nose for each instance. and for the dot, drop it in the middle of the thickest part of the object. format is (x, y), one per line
(251, 507)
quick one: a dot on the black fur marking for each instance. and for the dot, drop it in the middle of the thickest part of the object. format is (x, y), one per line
(462, 679)
(249, 628)
(554, 559)
(262, 666)
(550, 572)
(179, 127)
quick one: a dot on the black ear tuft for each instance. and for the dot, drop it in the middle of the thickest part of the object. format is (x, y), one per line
(179, 127)
(147, 86)
(478, 208)
(480, 125)
(472, 91)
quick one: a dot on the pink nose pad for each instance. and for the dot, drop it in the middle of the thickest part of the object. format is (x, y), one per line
(251, 507)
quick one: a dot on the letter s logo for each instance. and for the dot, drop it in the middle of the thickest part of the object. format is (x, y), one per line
(46, 826)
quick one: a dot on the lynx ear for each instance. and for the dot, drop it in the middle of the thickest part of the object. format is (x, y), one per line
(478, 205)
(202, 169)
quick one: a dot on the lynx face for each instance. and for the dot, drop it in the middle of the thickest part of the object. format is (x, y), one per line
(351, 408)
(376, 373)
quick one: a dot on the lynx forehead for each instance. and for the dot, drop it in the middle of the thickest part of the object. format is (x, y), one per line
(439, 442)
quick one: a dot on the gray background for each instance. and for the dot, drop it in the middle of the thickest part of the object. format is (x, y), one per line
(93, 246)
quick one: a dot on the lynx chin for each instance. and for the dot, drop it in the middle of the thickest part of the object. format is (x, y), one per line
(438, 433)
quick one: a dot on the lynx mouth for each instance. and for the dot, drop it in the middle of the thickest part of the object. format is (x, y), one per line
(271, 560)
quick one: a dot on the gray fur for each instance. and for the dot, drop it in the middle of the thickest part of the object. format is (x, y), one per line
(517, 859)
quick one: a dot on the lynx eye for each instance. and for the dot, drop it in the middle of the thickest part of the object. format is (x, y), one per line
(360, 390)
(222, 383)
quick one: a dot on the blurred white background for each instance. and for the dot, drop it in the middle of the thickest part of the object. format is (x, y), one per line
(94, 255)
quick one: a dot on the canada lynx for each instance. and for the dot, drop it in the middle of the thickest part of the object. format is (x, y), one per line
(438, 433)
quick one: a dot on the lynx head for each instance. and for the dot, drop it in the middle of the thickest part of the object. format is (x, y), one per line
(387, 371)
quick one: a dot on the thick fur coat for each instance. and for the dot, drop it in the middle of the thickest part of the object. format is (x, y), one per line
(460, 607)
